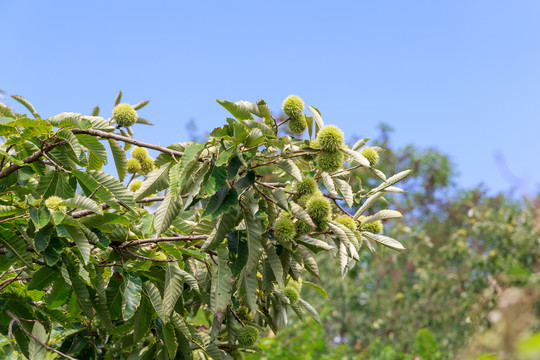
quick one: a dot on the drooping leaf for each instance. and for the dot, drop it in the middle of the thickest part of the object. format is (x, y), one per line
(132, 295)
(35, 349)
(220, 293)
(166, 213)
(173, 287)
(120, 160)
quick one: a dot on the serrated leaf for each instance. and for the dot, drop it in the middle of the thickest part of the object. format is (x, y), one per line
(81, 202)
(173, 287)
(226, 223)
(42, 278)
(119, 156)
(316, 287)
(392, 180)
(317, 118)
(220, 293)
(72, 141)
(357, 145)
(166, 212)
(273, 260)
(367, 204)
(169, 338)
(254, 239)
(26, 104)
(315, 242)
(156, 181)
(143, 319)
(80, 239)
(382, 215)
(356, 156)
(345, 190)
(132, 295)
(301, 214)
(40, 216)
(16, 245)
(310, 309)
(240, 109)
(328, 183)
(384, 240)
(155, 298)
(290, 167)
(37, 351)
(281, 198)
(115, 187)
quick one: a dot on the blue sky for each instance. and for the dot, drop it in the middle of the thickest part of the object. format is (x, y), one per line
(461, 76)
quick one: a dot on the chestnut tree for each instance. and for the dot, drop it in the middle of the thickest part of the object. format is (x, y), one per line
(186, 256)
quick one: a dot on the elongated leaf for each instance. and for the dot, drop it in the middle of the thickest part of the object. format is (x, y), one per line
(174, 284)
(81, 202)
(317, 118)
(357, 145)
(166, 213)
(100, 306)
(115, 187)
(132, 296)
(290, 167)
(154, 296)
(26, 104)
(301, 214)
(384, 240)
(40, 216)
(382, 215)
(281, 198)
(72, 141)
(315, 242)
(254, 239)
(316, 287)
(367, 204)
(273, 260)
(140, 105)
(220, 293)
(240, 109)
(120, 160)
(392, 180)
(169, 339)
(43, 278)
(81, 292)
(80, 239)
(227, 222)
(345, 190)
(6, 210)
(35, 349)
(310, 309)
(156, 181)
(356, 156)
(143, 319)
(118, 98)
(329, 183)
(16, 245)
(192, 282)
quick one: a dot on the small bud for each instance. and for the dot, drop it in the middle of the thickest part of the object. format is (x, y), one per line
(330, 138)
(243, 314)
(124, 115)
(53, 203)
(292, 294)
(293, 106)
(346, 221)
(370, 154)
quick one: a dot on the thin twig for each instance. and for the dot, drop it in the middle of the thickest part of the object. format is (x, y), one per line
(14, 270)
(162, 239)
(17, 320)
(13, 218)
(147, 258)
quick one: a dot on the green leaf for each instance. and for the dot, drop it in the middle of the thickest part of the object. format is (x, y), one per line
(173, 287)
(166, 212)
(81, 293)
(114, 187)
(254, 239)
(316, 287)
(392, 180)
(143, 319)
(220, 292)
(81, 202)
(42, 278)
(140, 105)
(169, 339)
(290, 167)
(35, 349)
(26, 104)
(328, 183)
(80, 239)
(317, 118)
(382, 215)
(40, 216)
(301, 214)
(154, 296)
(16, 245)
(384, 240)
(345, 190)
(220, 202)
(315, 242)
(226, 223)
(120, 160)
(72, 141)
(357, 145)
(156, 181)
(132, 295)
(240, 109)
(356, 156)
(273, 260)
(367, 204)
(118, 98)
(310, 309)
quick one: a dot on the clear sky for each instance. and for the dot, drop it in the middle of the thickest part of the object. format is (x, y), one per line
(461, 76)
